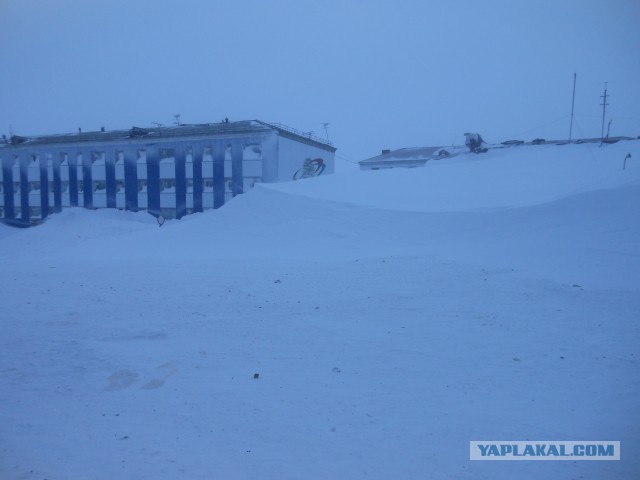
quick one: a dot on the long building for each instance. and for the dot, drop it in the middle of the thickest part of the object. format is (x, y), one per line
(168, 171)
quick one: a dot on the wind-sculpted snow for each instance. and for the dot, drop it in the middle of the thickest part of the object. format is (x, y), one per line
(502, 178)
(302, 331)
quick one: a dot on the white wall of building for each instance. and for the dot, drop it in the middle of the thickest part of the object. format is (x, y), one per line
(292, 155)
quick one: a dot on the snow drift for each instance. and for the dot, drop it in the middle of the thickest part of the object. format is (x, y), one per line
(391, 317)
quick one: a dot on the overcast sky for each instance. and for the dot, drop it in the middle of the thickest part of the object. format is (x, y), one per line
(384, 74)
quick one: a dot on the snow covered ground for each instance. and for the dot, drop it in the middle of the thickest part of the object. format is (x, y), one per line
(392, 317)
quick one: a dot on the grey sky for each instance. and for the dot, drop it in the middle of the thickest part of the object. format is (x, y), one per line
(385, 74)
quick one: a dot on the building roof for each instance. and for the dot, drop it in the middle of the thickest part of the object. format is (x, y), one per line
(175, 131)
(403, 157)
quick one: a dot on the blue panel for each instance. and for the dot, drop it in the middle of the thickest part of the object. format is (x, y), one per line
(218, 174)
(197, 179)
(24, 188)
(181, 181)
(57, 182)
(72, 161)
(131, 179)
(110, 176)
(44, 186)
(7, 175)
(153, 181)
(236, 168)
(87, 180)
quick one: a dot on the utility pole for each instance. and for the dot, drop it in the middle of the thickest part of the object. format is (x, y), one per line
(604, 108)
(573, 102)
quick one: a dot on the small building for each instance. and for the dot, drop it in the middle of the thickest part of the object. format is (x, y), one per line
(168, 171)
(404, 158)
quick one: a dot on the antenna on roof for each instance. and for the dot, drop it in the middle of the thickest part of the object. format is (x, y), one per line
(177, 119)
(326, 131)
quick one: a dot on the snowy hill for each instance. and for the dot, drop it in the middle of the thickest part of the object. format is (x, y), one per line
(391, 317)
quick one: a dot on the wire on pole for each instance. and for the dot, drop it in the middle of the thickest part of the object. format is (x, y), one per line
(604, 108)
(573, 101)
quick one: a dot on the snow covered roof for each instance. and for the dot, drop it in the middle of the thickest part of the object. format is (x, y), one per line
(175, 131)
(417, 155)
(408, 157)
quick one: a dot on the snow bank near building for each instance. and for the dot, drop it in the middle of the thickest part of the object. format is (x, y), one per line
(502, 178)
(391, 318)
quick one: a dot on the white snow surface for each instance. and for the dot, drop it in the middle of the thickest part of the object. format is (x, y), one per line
(392, 316)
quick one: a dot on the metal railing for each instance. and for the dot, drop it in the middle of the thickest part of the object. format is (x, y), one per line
(300, 133)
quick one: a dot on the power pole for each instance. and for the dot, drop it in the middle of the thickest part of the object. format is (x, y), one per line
(604, 108)
(573, 102)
